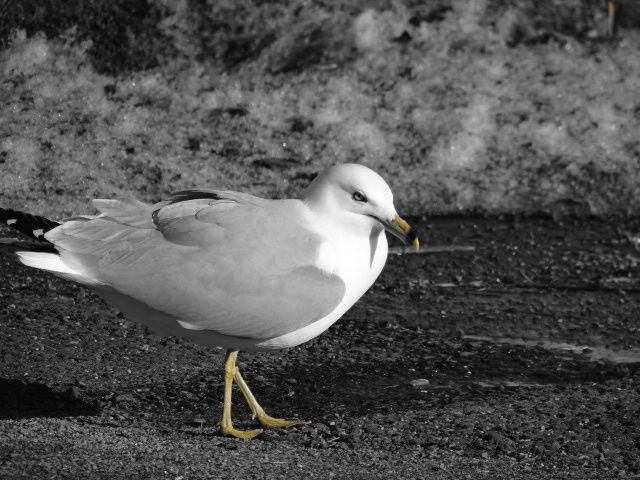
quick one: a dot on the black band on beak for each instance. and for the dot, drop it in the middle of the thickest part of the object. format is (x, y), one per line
(402, 230)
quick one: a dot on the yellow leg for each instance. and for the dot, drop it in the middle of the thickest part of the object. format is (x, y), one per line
(258, 412)
(226, 424)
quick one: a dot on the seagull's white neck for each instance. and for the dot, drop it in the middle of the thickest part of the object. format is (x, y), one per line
(356, 246)
(320, 196)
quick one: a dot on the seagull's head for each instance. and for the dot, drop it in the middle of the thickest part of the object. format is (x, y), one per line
(361, 197)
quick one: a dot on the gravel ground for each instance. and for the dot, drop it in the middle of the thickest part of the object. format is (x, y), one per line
(517, 359)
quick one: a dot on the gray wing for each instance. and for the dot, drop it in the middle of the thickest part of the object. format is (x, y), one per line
(222, 261)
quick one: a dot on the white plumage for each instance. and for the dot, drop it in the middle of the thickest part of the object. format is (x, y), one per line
(230, 269)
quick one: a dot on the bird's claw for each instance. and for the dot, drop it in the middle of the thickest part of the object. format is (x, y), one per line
(269, 421)
(234, 432)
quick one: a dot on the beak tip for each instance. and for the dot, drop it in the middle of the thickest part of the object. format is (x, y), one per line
(412, 238)
(404, 231)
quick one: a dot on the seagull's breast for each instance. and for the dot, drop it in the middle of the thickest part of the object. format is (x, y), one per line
(358, 261)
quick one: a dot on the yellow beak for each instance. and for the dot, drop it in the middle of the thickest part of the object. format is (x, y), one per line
(401, 229)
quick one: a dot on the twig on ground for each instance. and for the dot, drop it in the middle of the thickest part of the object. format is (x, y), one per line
(432, 249)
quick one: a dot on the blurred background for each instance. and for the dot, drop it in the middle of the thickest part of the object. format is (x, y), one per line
(490, 106)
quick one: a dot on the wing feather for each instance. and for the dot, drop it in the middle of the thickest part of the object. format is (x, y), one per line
(128, 211)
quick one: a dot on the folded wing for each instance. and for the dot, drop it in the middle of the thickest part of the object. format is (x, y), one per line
(213, 260)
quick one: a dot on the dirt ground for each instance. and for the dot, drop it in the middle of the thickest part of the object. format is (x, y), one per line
(515, 359)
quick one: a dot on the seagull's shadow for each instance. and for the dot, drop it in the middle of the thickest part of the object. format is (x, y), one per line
(19, 400)
(372, 384)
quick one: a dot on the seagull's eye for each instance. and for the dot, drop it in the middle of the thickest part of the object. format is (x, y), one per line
(359, 197)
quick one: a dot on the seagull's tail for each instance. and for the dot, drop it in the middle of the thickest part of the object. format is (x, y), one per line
(37, 251)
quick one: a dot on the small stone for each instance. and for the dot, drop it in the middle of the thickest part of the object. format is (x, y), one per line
(420, 382)
(197, 421)
(125, 397)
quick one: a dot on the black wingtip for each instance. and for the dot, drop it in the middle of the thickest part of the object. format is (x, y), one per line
(28, 245)
(32, 226)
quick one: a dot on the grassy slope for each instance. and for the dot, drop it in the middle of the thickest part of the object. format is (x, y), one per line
(461, 105)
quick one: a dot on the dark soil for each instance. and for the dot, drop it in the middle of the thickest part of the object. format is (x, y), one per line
(518, 359)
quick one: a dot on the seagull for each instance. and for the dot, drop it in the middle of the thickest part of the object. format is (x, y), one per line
(228, 269)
